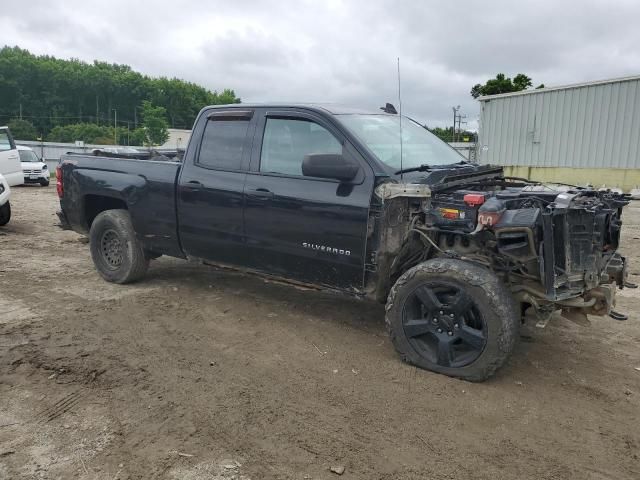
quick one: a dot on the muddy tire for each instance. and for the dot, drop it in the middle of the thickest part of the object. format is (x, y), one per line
(452, 317)
(115, 250)
(5, 214)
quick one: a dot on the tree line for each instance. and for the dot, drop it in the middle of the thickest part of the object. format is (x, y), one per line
(503, 84)
(55, 99)
(446, 134)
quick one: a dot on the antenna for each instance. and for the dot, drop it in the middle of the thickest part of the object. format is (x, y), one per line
(400, 105)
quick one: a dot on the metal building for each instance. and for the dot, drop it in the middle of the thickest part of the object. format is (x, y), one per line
(178, 138)
(583, 133)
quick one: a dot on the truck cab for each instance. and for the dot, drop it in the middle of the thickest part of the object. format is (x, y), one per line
(269, 207)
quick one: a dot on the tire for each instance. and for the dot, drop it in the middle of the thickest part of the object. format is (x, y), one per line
(115, 250)
(5, 214)
(44, 183)
(466, 321)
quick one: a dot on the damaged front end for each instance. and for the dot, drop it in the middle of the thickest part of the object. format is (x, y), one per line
(391, 249)
(555, 247)
(579, 258)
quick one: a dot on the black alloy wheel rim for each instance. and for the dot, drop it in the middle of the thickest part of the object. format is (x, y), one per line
(443, 324)
(112, 249)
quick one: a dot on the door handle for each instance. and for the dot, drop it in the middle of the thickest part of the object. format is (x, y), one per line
(261, 193)
(193, 186)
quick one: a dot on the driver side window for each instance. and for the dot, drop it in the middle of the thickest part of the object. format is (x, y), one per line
(286, 142)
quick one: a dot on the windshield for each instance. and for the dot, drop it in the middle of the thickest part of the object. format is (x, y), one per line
(28, 156)
(381, 133)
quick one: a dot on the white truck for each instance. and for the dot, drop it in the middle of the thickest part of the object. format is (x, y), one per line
(10, 167)
(10, 172)
(5, 206)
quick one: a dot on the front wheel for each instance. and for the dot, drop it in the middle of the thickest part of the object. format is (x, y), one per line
(115, 250)
(452, 317)
(44, 182)
(5, 214)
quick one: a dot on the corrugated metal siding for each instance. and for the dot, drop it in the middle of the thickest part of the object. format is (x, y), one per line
(589, 126)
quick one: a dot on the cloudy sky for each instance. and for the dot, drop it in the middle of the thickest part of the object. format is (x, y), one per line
(341, 51)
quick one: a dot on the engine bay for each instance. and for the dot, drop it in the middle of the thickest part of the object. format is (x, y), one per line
(555, 245)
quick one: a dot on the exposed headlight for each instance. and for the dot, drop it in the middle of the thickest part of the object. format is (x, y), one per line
(44, 167)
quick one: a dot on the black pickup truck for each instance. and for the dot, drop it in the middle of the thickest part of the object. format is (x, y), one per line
(332, 198)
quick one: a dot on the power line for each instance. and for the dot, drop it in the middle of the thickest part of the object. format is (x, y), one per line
(86, 119)
(62, 117)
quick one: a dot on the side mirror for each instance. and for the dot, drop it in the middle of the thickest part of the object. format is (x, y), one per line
(329, 165)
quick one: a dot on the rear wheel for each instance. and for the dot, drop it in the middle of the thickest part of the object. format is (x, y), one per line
(5, 213)
(115, 250)
(452, 317)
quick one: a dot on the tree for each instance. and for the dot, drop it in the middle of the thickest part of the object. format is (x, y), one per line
(446, 134)
(503, 84)
(138, 137)
(154, 121)
(22, 129)
(54, 92)
(89, 133)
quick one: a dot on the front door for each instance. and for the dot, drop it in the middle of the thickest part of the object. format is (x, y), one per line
(211, 186)
(305, 228)
(10, 167)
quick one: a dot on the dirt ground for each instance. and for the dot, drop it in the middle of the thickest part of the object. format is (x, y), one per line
(197, 373)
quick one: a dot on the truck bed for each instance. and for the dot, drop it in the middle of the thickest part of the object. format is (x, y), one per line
(147, 188)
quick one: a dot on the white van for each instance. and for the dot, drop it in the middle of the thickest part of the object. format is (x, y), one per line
(10, 167)
(33, 169)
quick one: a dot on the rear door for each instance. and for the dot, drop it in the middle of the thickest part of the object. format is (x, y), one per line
(305, 228)
(10, 166)
(211, 186)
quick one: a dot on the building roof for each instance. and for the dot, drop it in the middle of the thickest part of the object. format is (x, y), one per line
(486, 98)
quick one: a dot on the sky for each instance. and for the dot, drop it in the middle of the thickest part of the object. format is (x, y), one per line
(341, 52)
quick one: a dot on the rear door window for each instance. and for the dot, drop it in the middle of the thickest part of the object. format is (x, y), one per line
(223, 144)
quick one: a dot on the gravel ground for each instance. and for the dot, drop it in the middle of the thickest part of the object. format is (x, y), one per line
(198, 373)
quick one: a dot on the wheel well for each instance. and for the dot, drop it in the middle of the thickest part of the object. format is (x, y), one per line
(95, 204)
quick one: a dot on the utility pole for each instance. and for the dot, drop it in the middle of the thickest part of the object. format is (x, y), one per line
(115, 126)
(453, 130)
(97, 111)
(460, 122)
(20, 110)
(455, 119)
